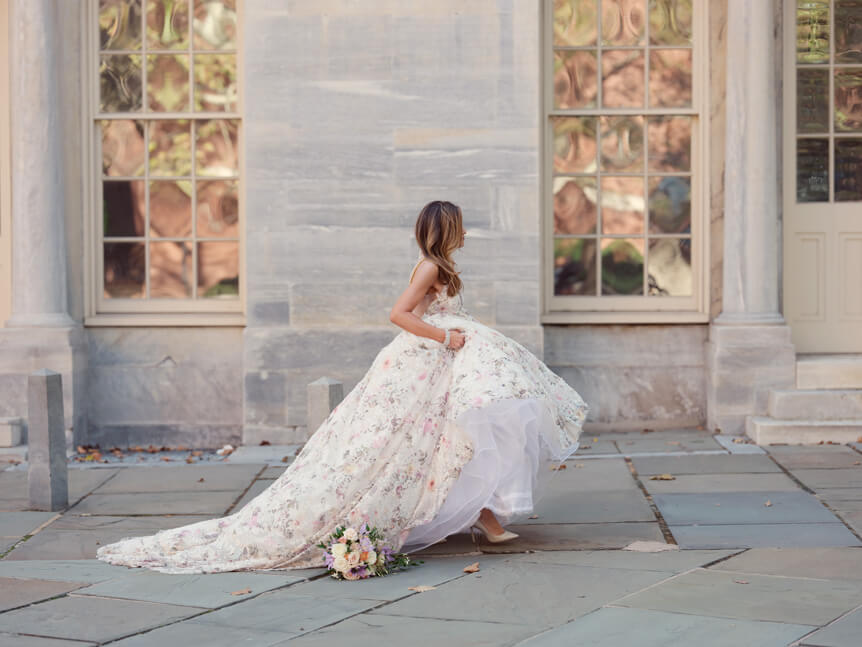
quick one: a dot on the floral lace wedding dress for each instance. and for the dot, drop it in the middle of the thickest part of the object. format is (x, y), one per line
(426, 439)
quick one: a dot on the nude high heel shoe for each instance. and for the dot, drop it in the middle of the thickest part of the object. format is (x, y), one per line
(494, 539)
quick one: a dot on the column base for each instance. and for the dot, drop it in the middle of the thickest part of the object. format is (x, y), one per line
(63, 349)
(744, 361)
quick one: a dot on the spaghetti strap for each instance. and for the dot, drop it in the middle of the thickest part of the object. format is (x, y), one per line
(415, 267)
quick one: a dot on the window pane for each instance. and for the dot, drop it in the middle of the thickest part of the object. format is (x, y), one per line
(669, 144)
(124, 270)
(170, 270)
(848, 169)
(622, 266)
(812, 100)
(167, 24)
(574, 144)
(670, 78)
(669, 205)
(120, 83)
(215, 24)
(622, 205)
(123, 151)
(622, 143)
(123, 207)
(669, 271)
(168, 82)
(575, 22)
(575, 79)
(216, 147)
(623, 22)
(171, 209)
(215, 82)
(575, 205)
(218, 209)
(170, 147)
(218, 270)
(622, 78)
(848, 31)
(812, 31)
(120, 24)
(670, 22)
(574, 266)
(812, 170)
(848, 99)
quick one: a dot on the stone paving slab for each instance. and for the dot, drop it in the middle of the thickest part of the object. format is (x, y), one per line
(94, 619)
(262, 453)
(590, 447)
(614, 626)
(71, 521)
(62, 570)
(272, 472)
(844, 477)
(190, 633)
(845, 632)
(818, 563)
(592, 476)
(256, 488)
(158, 503)
(704, 464)
(574, 536)
(696, 483)
(670, 442)
(591, 507)
(841, 493)
(672, 561)
(765, 597)
(742, 508)
(18, 593)
(13, 485)
(790, 535)
(458, 544)
(31, 641)
(805, 456)
(7, 542)
(19, 523)
(843, 506)
(69, 544)
(854, 519)
(185, 478)
(727, 441)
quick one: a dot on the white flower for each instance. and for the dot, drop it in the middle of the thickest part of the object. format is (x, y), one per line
(381, 559)
(352, 558)
(340, 564)
(351, 534)
(372, 557)
(338, 550)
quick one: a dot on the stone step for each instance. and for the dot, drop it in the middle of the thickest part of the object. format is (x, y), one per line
(10, 431)
(829, 372)
(768, 431)
(820, 404)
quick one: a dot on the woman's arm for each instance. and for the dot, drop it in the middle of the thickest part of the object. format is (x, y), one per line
(413, 298)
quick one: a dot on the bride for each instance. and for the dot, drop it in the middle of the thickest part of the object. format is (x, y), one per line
(454, 427)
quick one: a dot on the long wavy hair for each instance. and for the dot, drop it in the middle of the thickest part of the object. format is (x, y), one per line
(438, 231)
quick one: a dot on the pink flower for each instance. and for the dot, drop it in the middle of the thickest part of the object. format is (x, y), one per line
(427, 428)
(478, 400)
(386, 363)
(422, 375)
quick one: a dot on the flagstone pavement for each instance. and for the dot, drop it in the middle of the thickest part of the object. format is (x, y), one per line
(760, 546)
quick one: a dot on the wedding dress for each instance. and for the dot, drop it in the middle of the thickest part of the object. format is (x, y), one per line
(425, 440)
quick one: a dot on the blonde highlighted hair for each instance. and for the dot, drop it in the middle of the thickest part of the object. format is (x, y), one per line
(439, 228)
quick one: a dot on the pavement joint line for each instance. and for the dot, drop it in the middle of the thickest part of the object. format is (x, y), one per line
(695, 452)
(786, 577)
(662, 524)
(831, 622)
(248, 487)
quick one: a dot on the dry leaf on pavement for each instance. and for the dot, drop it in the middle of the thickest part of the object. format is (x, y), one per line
(768, 503)
(472, 568)
(241, 592)
(741, 581)
(559, 467)
(421, 588)
(662, 477)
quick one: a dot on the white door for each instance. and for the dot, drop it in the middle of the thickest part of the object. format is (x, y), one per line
(822, 264)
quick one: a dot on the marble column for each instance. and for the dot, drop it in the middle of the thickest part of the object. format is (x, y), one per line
(749, 350)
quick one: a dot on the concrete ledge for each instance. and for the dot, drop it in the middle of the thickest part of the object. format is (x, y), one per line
(829, 372)
(11, 431)
(822, 404)
(767, 431)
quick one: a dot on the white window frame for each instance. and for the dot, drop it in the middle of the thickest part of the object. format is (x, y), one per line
(631, 309)
(148, 312)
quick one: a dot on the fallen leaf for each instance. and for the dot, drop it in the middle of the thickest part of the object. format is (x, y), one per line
(189, 459)
(673, 442)
(533, 516)
(167, 458)
(181, 448)
(700, 427)
(265, 442)
(558, 467)
(662, 477)
(595, 440)
(739, 441)
(472, 568)
(741, 581)
(421, 588)
(241, 592)
(201, 480)
(579, 464)
(648, 431)
(586, 447)
(197, 452)
(768, 503)
(857, 463)
(285, 459)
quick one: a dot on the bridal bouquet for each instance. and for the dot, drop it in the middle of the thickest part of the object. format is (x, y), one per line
(353, 554)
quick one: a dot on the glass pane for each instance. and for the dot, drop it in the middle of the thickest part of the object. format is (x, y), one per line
(669, 143)
(622, 205)
(575, 205)
(171, 209)
(120, 24)
(848, 31)
(575, 79)
(215, 82)
(848, 99)
(171, 270)
(218, 270)
(170, 147)
(168, 82)
(622, 266)
(574, 266)
(123, 152)
(575, 23)
(215, 24)
(812, 31)
(622, 143)
(622, 78)
(167, 24)
(218, 209)
(848, 169)
(670, 78)
(574, 144)
(120, 83)
(669, 267)
(670, 22)
(623, 22)
(669, 205)
(123, 207)
(812, 100)
(124, 265)
(216, 147)
(812, 170)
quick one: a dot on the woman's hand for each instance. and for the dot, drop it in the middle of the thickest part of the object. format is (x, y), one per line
(456, 338)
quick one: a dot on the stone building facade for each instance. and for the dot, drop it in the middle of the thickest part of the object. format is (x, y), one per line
(208, 204)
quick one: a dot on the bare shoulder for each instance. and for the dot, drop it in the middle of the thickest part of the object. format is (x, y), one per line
(426, 272)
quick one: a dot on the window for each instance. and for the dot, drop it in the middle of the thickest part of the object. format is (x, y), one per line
(167, 216)
(623, 180)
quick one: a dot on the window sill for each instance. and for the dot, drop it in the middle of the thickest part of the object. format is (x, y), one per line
(166, 319)
(617, 317)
